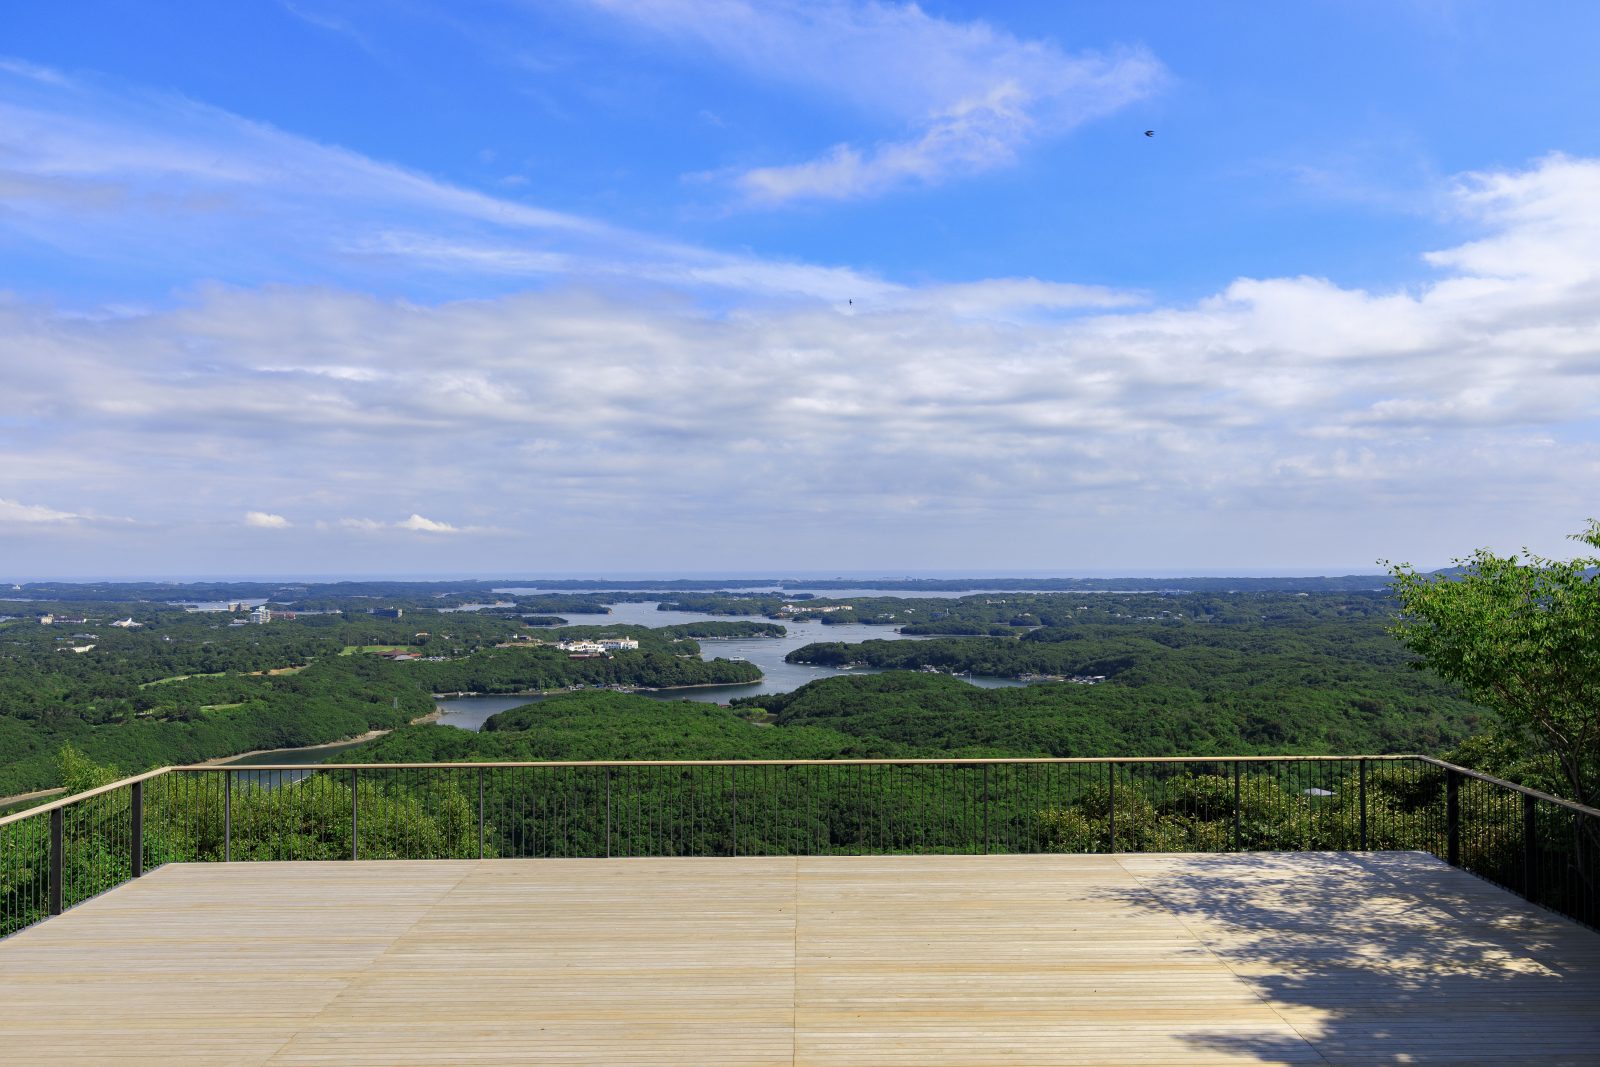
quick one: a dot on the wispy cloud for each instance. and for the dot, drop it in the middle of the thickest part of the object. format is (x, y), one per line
(132, 176)
(14, 511)
(965, 97)
(311, 14)
(414, 524)
(265, 520)
(115, 173)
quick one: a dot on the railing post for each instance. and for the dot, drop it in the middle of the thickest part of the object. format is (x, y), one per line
(355, 819)
(1111, 777)
(608, 813)
(1363, 790)
(1452, 817)
(733, 777)
(1530, 846)
(480, 813)
(136, 826)
(57, 857)
(1238, 838)
(227, 816)
(986, 841)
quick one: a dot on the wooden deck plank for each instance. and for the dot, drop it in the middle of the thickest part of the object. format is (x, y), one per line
(1160, 959)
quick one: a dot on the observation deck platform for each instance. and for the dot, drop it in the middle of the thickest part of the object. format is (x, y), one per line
(1361, 958)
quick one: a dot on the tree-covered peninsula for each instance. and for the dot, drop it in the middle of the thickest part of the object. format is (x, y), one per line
(135, 684)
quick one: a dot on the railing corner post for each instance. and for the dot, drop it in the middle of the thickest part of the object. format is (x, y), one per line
(136, 831)
(1452, 817)
(57, 859)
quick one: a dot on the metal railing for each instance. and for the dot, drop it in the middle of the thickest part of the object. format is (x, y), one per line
(59, 854)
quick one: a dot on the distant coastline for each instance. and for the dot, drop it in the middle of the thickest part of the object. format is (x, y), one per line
(358, 739)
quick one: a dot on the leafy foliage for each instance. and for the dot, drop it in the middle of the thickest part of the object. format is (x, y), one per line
(1522, 637)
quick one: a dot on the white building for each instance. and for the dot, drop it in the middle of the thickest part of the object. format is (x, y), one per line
(604, 644)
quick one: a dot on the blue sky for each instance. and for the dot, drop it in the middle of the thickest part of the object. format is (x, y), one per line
(586, 285)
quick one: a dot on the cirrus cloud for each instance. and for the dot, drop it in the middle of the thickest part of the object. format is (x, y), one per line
(15, 511)
(966, 97)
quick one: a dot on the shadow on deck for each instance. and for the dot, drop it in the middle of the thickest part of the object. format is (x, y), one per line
(1386, 958)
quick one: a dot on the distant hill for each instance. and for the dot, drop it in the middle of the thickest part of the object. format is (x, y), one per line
(460, 590)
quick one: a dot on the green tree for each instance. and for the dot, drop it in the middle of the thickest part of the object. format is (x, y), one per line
(1522, 636)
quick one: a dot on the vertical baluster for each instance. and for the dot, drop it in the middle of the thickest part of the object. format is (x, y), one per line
(985, 800)
(1238, 807)
(1363, 777)
(57, 833)
(1530, 847)
(355, 816)
(227, 816)
(1452, 817)
(1111, 803)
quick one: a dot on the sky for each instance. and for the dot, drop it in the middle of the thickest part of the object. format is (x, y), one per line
(534, 287)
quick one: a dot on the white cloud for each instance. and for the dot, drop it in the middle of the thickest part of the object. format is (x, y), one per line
(417, 522)
(1000, 297)
(1545, 222)
(14, 511)
(266, 520)
(969, 96)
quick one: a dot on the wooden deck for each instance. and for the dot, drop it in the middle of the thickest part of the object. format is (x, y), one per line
(1099, 960)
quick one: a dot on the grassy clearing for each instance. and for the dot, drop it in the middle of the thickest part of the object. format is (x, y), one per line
(350, 650)
(181, 678)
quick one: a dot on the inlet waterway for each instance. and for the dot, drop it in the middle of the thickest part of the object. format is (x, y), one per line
(766, 653)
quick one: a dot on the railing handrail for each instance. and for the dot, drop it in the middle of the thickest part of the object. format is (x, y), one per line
(68, 801)
(1524, 790)
(213, 768)
(902, 761)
